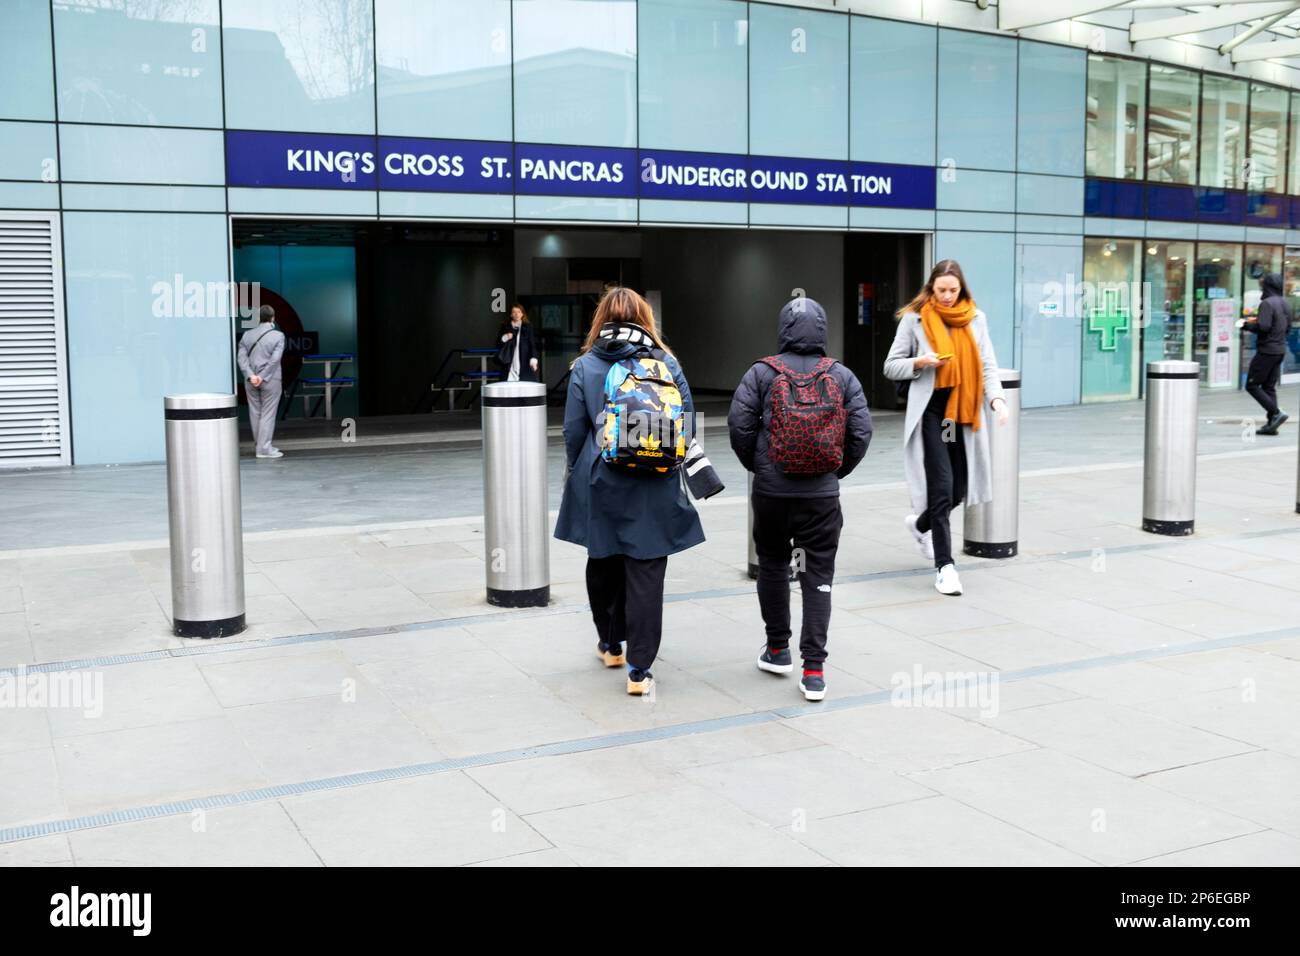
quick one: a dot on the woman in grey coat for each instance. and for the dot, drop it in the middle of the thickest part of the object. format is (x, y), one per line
(943, 350)
(629, 523)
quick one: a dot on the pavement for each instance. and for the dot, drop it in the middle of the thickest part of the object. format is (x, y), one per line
(1108, 697)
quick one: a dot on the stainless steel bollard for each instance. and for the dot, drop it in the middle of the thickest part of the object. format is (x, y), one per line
(992, 530)
(516, 526)
(203, 513)
(1169, 461)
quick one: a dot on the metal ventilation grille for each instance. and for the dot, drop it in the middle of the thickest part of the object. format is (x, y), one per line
(33, 407)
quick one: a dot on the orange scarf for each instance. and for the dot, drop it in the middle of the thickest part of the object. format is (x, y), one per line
(948, 330)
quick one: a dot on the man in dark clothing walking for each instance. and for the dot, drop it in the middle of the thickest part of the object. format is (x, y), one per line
(796, 514)
(1271, 325)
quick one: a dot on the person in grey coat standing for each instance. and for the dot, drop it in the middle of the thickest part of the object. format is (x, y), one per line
(260, 350)
(943, 351)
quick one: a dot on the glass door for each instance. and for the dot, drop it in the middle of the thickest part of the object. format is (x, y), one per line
(1166, 333)
(1217, 291)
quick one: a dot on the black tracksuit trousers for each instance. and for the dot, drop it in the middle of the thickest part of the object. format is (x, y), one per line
(812, 526)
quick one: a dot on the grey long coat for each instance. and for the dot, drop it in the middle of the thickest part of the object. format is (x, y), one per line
(909, 342)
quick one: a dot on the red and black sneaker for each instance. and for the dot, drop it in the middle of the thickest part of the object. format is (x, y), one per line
(813, 684)
(775, 660)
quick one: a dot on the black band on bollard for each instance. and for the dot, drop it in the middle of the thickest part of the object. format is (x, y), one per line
(1195, 375)
(198, 414)
(989, 549)
(1175, 528)
(522, 401)
(209, 629)
(535, 597)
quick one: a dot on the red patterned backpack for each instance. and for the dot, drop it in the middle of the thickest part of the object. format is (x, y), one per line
(806, 433)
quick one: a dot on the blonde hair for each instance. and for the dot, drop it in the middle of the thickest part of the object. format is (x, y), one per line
(621, 304)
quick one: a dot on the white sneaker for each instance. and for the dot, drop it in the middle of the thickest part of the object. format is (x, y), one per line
(275, 453)
(946, 581)
(924, 540)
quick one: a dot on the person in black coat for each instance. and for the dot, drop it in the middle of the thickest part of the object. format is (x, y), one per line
(517, 354)
(629, 523)
(1271, 325)
(796, 513)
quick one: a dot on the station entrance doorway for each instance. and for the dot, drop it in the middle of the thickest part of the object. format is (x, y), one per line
(398, 323)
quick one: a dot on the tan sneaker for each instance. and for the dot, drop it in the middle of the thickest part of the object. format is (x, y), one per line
(609, 658)
(639, 683)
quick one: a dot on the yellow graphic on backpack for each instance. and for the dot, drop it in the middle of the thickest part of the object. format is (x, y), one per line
(644, 419)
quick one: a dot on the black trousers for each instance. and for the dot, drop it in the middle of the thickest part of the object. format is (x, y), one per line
(813, 526)
(1261, 380)
(627, 604)
(945, 474)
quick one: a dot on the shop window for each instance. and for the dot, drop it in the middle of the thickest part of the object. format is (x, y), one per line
(1217, 293)
(1166, 332)
(1268, 119)
(1223, 132)
(1172, 118)
(1111, 310)
(1116, 120)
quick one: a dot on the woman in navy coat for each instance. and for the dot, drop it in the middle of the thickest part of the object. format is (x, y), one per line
(629, 523)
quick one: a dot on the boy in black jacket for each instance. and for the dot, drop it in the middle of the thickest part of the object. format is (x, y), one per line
(796, 511)
(1271, 325)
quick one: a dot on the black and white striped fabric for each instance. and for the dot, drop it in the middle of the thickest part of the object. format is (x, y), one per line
(701, 477)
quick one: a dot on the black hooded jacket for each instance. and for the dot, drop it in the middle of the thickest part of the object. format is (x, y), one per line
(1274, 318)
(801, 343)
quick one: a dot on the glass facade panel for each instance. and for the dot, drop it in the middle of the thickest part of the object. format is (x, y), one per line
(128, 343)
(977, 87)
(1116, 123)
(443, 68)
(1169, 268)
(26, 72)
(1223, 132)
(575, 72)
(1172, 120)
(119, 154)
(798, 83)
(893, 86)
(1293, 148)
(1217, 290)
(151, 64)
(1112, 315)
(1049, 137)
(299, 65)
(1268, 122)
(27, 152)
(692, 86)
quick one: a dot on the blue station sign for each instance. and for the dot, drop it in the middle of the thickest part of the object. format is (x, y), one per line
(330, 161)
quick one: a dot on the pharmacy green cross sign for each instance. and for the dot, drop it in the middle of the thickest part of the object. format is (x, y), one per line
(1110, 320)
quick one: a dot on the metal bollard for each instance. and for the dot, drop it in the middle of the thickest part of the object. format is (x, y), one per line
(203, 513)
(991, 530)
(1169, 460)
(1297, 482)
(516, 528)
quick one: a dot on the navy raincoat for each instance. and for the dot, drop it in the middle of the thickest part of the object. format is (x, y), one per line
(606, 510)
